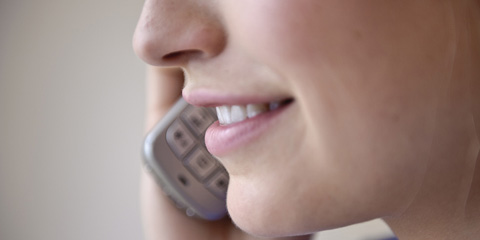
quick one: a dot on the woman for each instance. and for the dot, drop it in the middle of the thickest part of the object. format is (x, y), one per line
(379, 112)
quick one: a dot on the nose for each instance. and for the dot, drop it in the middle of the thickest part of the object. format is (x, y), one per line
(172, 33)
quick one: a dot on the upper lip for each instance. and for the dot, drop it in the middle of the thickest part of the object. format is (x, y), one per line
(213, 98)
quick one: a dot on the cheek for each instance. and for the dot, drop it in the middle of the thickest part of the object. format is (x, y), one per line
(346, 37)
(366, 85)
(366, 88)
(270, 31)
(373, 107)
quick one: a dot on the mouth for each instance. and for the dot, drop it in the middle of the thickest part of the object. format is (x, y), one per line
(240, 126)
(230, 114)
(243, 120)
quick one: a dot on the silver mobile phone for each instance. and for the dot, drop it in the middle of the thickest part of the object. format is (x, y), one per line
(175, 154)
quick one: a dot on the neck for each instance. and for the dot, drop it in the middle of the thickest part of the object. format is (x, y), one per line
(447, 206)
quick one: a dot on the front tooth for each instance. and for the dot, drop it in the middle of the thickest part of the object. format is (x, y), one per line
(238, 113)
(223, 114)
(255, 109)
(219, 115)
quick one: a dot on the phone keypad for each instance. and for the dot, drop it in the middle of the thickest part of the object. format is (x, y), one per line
(201, 163)
(218, 184)
(198, 119)
(185, 138)
(179, 139)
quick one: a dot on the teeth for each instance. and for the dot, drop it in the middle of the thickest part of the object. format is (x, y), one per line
(236, 113)
(255, 109)
(223, 114)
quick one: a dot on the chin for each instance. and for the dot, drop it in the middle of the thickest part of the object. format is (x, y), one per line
(249, 212)
(264, 214)
(268, 212)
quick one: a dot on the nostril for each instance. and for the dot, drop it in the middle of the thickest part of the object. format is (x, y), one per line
(180, 55)
(173, 45)
(171, 56)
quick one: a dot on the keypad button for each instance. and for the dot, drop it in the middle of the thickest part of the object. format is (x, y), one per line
(201, 164)
(218, 184)
(198, 119)
(179, 139)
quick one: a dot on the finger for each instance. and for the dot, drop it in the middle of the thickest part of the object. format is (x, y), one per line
(164, 88)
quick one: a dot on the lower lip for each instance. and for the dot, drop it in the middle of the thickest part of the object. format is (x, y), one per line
(224, 139)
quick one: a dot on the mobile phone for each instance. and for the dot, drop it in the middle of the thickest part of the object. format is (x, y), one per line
(175, 154)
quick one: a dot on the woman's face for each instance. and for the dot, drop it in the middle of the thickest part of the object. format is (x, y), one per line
(364, 76)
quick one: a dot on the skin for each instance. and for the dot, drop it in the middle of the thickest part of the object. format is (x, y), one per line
(384, 124)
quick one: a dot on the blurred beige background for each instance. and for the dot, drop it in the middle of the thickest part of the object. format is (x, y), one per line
(71, 123)
(71, 120)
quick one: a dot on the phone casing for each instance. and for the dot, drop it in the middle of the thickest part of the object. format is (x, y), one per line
(175, 154)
